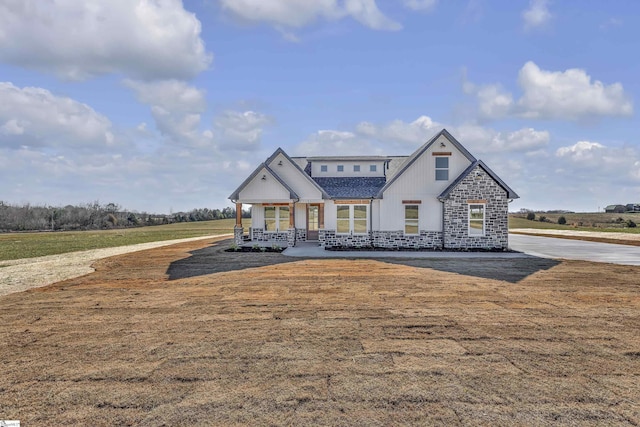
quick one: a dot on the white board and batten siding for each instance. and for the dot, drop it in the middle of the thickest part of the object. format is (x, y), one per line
(418, 182)
(260, 190)
(306, 191)
(348, 166)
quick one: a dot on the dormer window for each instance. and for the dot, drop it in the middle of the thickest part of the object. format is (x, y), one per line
(323, 168)
(356, 168)
(340, 168)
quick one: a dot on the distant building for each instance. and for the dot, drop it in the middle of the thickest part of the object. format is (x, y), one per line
(633, 207)
(615, 209)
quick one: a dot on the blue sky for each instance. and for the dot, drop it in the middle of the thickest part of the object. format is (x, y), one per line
(166, 105)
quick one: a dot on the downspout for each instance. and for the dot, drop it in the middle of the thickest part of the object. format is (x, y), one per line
(370, 221)
(442, 201)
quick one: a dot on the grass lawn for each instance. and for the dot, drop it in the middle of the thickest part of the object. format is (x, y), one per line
(601, 222)
(192, 335)
(29, 245)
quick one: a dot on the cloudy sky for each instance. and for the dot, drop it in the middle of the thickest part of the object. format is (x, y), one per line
(163, 105)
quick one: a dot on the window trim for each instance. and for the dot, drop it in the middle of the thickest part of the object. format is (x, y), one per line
(441, 169)
(484, 220)
(352, 220)
(340, 168)
(411, 221)
(373, 168)
(356, 168)
(277, 218)
(324, 168)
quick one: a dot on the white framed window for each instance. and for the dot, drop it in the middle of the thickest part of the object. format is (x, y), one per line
(340, 168)
(373, 168)
(352, 219)
(356, 168)
(411, 213)
(276, 218)
(476, 219)
(323, 168)
(442, 169)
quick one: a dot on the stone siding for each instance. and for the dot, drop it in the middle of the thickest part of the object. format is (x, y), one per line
(259, 235)
(477, 185)
(301, 234)
(398, 240)
(291, 238)
(330, 239)
(382, 239)
(237, 235)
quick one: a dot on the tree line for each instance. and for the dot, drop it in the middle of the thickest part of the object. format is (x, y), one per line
(96, 216)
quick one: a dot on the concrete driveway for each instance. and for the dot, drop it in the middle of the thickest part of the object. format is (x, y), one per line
(549, 247)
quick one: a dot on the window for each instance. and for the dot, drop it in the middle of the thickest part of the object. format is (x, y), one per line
(351, 219)
(340, 168)
(442, 168)
(343, 221)
(276, 218)
(356, 168)
(411, 219)
(373, 168)
(323, 168)
(476, 220)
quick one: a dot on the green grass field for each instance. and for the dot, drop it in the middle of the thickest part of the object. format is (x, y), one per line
(29, 245)
(607, 222)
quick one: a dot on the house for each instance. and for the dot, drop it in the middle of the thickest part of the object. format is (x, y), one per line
(633, 207)
(440, 197)
(615, 209)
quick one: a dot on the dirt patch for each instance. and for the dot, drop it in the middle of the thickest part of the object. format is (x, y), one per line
(271, 341)
(22, 274)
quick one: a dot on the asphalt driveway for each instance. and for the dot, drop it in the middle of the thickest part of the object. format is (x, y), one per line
(549, 247)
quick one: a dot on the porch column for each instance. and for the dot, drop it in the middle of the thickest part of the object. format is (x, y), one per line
(238, 232)
(292, 220)
(321, 216)
(238, 214)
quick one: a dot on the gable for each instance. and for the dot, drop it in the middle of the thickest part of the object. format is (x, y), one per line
(417, 173)
(263, 185)
(468, 174)
(291, 173)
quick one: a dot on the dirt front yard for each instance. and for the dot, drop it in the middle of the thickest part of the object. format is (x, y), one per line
(190, 334)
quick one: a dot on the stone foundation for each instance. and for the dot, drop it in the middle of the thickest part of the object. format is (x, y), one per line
(398, 240)
(237, 235)
(301, 234)
(381, 239)
(259, 235)
(291, 237)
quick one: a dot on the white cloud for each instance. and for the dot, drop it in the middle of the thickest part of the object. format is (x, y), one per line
(299, 13)
(480, 139)
(569, 94)
(240, 131)
(176, 108)
(420, 4)
(34, 116)
(581, 150)
(144, 39)
(559, 95)
(399, 132)
(537, 15)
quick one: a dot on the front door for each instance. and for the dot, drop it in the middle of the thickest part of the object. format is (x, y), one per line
(312, 222)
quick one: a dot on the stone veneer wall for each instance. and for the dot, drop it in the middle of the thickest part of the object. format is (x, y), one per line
(237, 235)
(397, 240)
(330, 239)
(477, 185)
(258, 235)
(301, 234)
(382, 239)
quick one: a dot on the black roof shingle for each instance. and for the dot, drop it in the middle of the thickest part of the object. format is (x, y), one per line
(351, 187)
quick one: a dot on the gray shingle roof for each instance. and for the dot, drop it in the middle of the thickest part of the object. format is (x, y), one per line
(351, 187)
